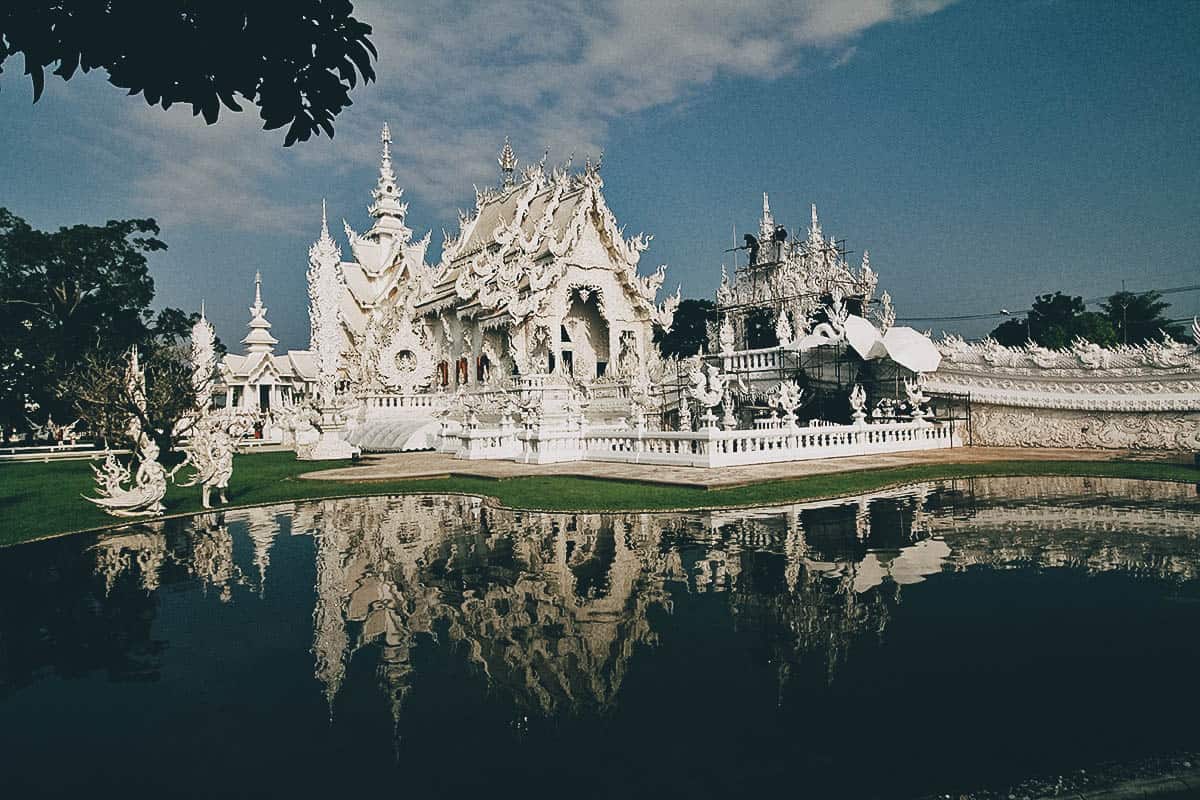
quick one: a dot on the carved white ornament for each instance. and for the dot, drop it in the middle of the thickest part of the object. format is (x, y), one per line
(325, 287)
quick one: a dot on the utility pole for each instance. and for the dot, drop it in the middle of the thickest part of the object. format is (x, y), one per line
(1124, 314)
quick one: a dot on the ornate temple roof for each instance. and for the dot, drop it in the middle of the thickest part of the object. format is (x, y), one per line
(259, 359)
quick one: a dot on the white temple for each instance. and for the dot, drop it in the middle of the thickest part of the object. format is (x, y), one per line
(261, 381)
(532, 338)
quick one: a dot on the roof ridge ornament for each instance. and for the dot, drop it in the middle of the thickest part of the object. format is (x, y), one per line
(508, 163)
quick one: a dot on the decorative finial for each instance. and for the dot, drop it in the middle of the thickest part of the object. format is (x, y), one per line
(202, 309)
(766, 226)
(508, 163)
(259, 338)
(387, 209)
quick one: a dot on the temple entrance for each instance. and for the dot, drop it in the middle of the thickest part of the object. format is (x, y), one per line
(584, 337)
(264, 397)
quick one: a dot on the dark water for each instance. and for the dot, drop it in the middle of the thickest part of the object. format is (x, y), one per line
(942, 637)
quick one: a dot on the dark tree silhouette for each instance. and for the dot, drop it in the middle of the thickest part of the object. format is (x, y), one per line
(296, 61)
(1056, 320)
(690, 329)
(72, 297)
(1139, 318)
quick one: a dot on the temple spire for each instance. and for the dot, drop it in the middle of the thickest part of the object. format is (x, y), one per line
(766, 226)
(259, 339)
(814, 230)
(508, 163)
(387, 209)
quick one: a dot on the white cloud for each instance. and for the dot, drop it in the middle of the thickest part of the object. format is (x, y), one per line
(454, 79)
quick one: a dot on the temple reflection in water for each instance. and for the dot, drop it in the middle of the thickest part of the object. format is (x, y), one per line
(550, 608)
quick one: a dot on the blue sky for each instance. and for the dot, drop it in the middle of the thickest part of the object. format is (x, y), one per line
(983, 152)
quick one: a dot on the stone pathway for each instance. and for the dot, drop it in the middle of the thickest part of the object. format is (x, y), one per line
(407, 466)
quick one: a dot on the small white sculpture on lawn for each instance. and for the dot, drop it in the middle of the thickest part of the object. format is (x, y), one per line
(144, 493)
(210, 452)
(858, 404)
(145, 490)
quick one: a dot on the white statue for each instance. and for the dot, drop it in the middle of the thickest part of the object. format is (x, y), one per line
(917, 398)
(787, 398)
(148, 485)
(204, 360)
(726, 335)
(783, 328)
(145, 491)
(834, 328)
(886, 315)
(858, 403)
(708, 390)
(210, 452)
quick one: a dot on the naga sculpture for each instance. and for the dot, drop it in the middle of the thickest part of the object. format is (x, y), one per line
(144, 493)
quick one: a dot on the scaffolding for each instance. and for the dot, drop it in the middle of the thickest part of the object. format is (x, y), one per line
(800, 278)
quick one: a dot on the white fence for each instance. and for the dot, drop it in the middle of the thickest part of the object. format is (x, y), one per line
(709, 447)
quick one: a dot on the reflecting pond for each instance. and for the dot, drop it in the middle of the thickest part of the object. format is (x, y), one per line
(938, 637)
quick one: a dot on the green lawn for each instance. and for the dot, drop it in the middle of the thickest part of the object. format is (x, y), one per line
(39, 500)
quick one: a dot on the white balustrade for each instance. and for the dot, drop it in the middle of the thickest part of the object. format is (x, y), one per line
(764, 359)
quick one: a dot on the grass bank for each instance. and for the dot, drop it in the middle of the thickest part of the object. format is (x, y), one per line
(43, 499)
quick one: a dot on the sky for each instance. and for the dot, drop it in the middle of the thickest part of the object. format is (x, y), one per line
(983, 152)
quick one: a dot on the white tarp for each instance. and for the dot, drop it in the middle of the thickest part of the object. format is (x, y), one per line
(912, 349)
(864, 338)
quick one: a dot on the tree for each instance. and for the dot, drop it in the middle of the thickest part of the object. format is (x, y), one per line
(1054, 321)
(99, 392)
(71, 297)
(296, 61)
(1138, 318)
(760, 328)
(690, 331)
